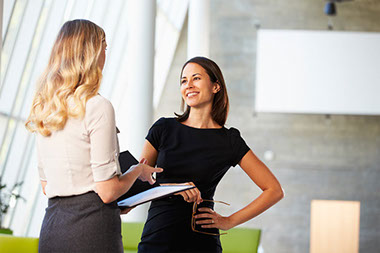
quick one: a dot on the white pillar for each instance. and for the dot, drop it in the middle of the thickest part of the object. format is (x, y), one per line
(198, 36)
(1, 26)
(135, 114)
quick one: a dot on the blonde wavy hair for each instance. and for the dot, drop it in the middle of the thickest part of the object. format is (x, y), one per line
(73, 73)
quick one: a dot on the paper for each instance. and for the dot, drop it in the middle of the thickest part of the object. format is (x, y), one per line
(153, 194)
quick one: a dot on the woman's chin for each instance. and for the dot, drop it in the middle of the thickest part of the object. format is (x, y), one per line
(191, 103)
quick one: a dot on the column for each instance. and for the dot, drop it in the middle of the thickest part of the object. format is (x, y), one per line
(1, 26)
(135, 114)
(198, 36)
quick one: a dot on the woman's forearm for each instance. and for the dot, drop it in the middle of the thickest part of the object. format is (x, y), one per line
(127, 180)
(266, 199)
(113, 188)
(43, 185)
(110, 190)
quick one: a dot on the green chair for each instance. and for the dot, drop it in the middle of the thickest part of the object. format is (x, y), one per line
(241, 240)
(131, 232)
(16, 244)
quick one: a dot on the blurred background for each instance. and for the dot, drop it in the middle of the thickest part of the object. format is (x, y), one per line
(303, 80)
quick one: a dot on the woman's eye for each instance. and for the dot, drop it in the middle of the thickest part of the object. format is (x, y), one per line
(183, 81)
(196, 78)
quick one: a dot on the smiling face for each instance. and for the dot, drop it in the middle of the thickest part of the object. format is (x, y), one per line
(196, 88)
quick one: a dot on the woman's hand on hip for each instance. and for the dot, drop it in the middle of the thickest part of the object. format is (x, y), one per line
(208, 218)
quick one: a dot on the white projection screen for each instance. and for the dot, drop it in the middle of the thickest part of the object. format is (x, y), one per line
(322, 72)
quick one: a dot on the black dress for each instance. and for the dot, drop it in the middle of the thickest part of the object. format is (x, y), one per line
(187, 154)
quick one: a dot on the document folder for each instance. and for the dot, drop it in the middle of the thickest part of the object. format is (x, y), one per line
(142, 192)
(153, 194)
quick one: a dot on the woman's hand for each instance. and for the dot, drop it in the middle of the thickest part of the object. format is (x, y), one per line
(147, 171)
(211, 219)
(192, 195)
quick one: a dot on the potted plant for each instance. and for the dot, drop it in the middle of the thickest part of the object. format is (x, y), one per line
(6, 196)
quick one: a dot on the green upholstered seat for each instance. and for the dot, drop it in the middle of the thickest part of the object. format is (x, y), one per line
(237, 240)
(241, 240)
(131, 232)
(16, 244)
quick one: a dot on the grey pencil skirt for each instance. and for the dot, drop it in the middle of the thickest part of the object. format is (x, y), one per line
(81, 223)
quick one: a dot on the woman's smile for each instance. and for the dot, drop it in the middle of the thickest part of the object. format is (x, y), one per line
(191, 94)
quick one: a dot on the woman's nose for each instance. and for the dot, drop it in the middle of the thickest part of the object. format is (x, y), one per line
(189, 84)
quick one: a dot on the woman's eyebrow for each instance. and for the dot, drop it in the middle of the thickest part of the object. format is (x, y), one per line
(192, 75)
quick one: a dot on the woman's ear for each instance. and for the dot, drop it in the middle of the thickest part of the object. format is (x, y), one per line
(216, 87)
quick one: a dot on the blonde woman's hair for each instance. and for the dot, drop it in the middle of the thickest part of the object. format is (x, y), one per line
(72, 73)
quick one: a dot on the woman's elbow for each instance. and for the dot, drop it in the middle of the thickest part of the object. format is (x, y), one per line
(106, 198)
(276, 193)
(107, 190)
(279, 193)
(106, 193)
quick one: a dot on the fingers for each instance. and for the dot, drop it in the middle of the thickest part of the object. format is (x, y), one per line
(192, 195)
(147, 171)
(207, 213)
(143, 161)
(209, 218)
(150, 180)
(197, 193)
(206, 209)
(150, 172)
(210, 226)
(184, 195)
(208, 221)
(158, 170)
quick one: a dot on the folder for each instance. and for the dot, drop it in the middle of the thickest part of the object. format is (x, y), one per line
(142, 192)
(155, 193)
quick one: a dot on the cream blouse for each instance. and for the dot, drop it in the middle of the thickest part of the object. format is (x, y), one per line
(84, 152)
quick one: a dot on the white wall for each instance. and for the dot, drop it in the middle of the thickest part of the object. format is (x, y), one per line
(324, 72)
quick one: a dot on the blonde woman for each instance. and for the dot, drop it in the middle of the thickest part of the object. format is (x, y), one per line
(77, 147)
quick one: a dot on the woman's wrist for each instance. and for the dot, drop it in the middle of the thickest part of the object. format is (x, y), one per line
(136, 169)
(231, 221)
(133, 172)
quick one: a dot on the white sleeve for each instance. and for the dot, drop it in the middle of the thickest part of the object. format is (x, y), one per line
(101, 128)
(39, 162)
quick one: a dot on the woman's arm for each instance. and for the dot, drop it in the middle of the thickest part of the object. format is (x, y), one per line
(43, 184)
(149, 153)
(100, 124)
(110, 190)
(262, 177)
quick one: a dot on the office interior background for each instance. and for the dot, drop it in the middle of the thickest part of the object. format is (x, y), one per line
(321, 140)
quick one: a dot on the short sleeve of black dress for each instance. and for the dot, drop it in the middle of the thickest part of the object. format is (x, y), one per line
(155, 133)
(239, 147)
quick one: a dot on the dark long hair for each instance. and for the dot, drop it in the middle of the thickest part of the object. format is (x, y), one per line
(220, 103)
